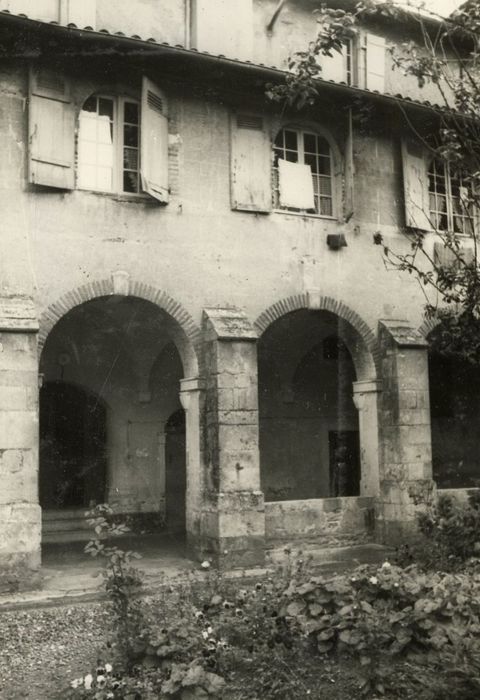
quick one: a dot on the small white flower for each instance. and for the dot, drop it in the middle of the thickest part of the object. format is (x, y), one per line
(205, 564)
(373, 579)
(395, 585)
(87, 681)
(77, 682)
(108, 668)
(101, 681)
(205, 634)
(210, 630)
(386, 565)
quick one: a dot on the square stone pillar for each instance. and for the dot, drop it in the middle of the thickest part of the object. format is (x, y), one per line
(406, 484)
(233, 521)
(20, 515)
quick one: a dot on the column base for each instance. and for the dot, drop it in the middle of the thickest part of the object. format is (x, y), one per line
(233, 530)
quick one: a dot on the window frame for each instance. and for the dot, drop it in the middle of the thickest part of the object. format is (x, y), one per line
(450, 197)
(320, 134)
(118, 139)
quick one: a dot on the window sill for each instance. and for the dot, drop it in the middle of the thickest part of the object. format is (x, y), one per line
(304, 215)
(121, 197)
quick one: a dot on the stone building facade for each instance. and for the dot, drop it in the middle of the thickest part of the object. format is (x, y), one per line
(193, 319)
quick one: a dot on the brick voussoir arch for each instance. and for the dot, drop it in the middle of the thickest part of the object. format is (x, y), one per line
(301, 301)
(191, 334)
(428, 326)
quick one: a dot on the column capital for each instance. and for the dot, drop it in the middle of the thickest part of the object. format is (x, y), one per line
(188, 388)
(367, 386)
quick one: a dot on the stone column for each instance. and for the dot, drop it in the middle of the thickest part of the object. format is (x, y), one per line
(20, 515)
(365, 397)
(233, 523)
(406, 484)
(191, 395)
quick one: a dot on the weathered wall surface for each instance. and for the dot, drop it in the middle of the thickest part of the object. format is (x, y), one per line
(330, 522)
(87, 236)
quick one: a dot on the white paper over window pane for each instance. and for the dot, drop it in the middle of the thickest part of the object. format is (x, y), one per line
(296, 185)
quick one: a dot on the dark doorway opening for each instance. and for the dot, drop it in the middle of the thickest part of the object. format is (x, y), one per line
(344, 449)
(175, 476)
(72, 447)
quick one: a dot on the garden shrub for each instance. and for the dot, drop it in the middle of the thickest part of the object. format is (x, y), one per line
(449, 536)
(194, 637)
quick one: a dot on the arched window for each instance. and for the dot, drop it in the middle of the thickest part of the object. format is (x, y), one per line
(109, 144)
(450, 199)
(309, 188)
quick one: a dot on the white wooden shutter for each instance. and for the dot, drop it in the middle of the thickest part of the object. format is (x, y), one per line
(334, 67)
(154, 142)
(83, 13)
(415, 185)
(251, 183)
(295, 185)
(51, 130)
(375, 63)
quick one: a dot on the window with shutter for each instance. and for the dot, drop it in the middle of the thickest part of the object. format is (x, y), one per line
(51, 130)
(450, 199)
(154, 144)
(340, 66)
(311, 186)
(109, 144)
(415, 185)
(250, 164)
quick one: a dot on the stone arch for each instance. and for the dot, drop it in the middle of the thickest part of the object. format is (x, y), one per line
(185, 333)
(429, 325)
(357, 335)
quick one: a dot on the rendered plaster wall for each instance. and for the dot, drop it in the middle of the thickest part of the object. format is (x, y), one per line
(85, 236)
(121, 352)
(330, 522)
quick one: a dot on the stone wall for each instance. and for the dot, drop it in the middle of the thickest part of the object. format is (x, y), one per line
(329, 522)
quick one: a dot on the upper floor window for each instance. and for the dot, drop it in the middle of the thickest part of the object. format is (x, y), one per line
(307, 186)
(449, 199)
(122, 143)
(109, 145)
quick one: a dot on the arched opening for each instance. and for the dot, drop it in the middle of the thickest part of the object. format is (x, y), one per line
(175, 473)
(455, 421)
(309, 428)
(112, 374)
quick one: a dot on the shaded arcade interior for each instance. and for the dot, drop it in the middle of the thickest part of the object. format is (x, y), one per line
(455, 419)
(309, 428)
(112, 428)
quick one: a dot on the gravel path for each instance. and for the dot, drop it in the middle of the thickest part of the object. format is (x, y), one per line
(42, 650)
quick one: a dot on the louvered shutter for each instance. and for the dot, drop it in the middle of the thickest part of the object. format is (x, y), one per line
(375, 63)
(415, 185)
(154, 143)
(251, 184)
(83, 13)
(51, 130)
